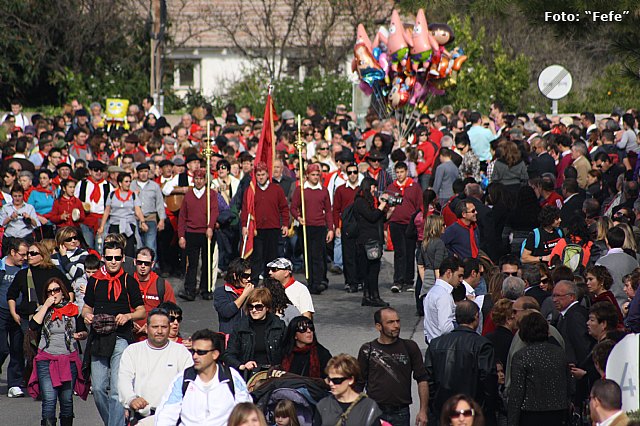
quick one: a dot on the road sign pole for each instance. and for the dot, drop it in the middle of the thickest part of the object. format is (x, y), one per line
(554, 107)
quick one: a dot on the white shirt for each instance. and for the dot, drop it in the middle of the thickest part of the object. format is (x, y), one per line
(147, 372)
(199, 192)
(610, 419)
(168, 187)
(563, 313)
(153, 110)
(299, 295)
(439, 310)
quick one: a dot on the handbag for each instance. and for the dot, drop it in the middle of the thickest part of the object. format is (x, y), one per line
(373, 249)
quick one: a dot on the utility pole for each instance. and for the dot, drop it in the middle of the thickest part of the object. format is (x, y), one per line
(158, 15)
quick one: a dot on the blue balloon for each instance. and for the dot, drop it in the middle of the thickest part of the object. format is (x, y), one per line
(376, 52)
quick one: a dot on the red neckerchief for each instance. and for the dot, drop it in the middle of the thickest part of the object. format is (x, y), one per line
(143, 150)
(374, 171)
(360, 158)
(289, 283)
(129, 194)
(153, 277)
(472, 237)
(135, 151)
(112, 280)
(56, 181)
(27, 193)
(237, 290)
(40, 188)
(42, 154)
(407, 183)
(77, 148)
(95, 194)
(69, 310)
(169, 155)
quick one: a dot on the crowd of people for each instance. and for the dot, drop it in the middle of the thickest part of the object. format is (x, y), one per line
(515, 236)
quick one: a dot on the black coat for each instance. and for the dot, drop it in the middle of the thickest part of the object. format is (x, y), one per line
(571, 209)
(573, 328)
(501, 338)
(240, 349)
(463, 362)
(537, 293)
(370, 221)
(541, 164)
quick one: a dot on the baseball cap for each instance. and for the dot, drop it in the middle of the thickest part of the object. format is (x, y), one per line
(281, 263)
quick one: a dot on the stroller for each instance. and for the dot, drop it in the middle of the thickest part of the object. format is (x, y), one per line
(304, 392)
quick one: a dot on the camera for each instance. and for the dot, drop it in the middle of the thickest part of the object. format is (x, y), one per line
(394, 199)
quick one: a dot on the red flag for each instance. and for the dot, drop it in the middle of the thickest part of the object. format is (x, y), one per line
(265, 154)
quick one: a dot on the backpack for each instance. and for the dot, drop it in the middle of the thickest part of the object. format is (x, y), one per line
(349, 222)
(572, 256)
(224, 373)
(536, 241)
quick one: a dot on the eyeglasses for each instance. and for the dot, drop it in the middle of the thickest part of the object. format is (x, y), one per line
(245, 275)
(112, 258)
(544, 280)
(362, 147)
(557, 296)
(54, 290)
(485, 124)
(143, 262)
(303, 328)
(166, 134)
(173, 318)
(472, 211)
(96, 170)
(352, 172)
(33, 253)
(465, 413)
(258, 307)
(72, 238)
(200, 352)
(513, 274)
(336, 380)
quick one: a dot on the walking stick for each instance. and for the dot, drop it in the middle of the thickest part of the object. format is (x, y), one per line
(300, 145)
(208, 151)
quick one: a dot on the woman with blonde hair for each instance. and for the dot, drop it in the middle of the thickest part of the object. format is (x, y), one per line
(246, 414)
(432, 252)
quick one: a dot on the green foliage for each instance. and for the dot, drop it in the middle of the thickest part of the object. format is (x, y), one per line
(491, 72)
(326, 91)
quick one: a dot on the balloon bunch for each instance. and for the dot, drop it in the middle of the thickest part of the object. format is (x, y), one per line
(404, 68)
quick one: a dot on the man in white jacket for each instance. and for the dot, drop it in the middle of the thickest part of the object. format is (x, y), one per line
(147, 368)
(205, 394)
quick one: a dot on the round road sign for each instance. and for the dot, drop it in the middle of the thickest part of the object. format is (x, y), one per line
(555, 82)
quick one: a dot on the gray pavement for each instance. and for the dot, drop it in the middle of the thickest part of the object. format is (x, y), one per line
(342, 325)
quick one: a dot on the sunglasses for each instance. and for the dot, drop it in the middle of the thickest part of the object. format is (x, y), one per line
(465, 413)
(374, 161)
(54, 290)
(33, 253)
(143, 262)
(544, 280)
(173, 318)
(166, 134)
(513, 274)
(200, 352)
(304, 328)
(258, 307)
(222, 168)
(362, 147)
(273, 269)
(323, 149)
(112, 258)
(72, 238)
(96, 170)
(245, 275)
(352, 172)
(336, 380)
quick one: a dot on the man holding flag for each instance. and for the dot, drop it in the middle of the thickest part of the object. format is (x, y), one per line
(265, 228)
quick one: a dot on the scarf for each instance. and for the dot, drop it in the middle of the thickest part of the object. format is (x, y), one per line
(237, 290)
(42, 189)
(314, 359)
(27, 193)
(77, 148)
(374, 172)
(407, 183)
(112, 280)
(472, 236)
(95, 194)
(289, 283)
(65, 309)
(153, 278)
(129, 194)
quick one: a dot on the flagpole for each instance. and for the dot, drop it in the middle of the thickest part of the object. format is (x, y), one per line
(300, 144)
(207, 151)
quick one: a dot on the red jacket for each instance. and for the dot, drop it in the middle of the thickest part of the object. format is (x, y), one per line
(430, 151)
(65, 205)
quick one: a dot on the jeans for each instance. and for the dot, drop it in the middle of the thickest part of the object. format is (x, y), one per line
(337, 252)
(397, 416)
(89, 235)
(104, 376)
(11, 339)
(149, 238)
(51, 394)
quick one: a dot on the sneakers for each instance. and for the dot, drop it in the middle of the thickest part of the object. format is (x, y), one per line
(396, 288)
(408, 288)
(15, 392)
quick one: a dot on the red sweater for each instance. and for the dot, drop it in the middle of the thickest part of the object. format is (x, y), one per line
(317, 207)
(193, 213)
(411, 203)
(342, 199)
(65, 205)
(271, 207)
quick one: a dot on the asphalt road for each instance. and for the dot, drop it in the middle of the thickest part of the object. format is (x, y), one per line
(342, 325)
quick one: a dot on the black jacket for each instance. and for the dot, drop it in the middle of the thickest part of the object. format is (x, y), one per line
(463, 362)
(541, 164)
(370, 221)
(537, 293)
(573, 328)
(571, 209)
(240, 349)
